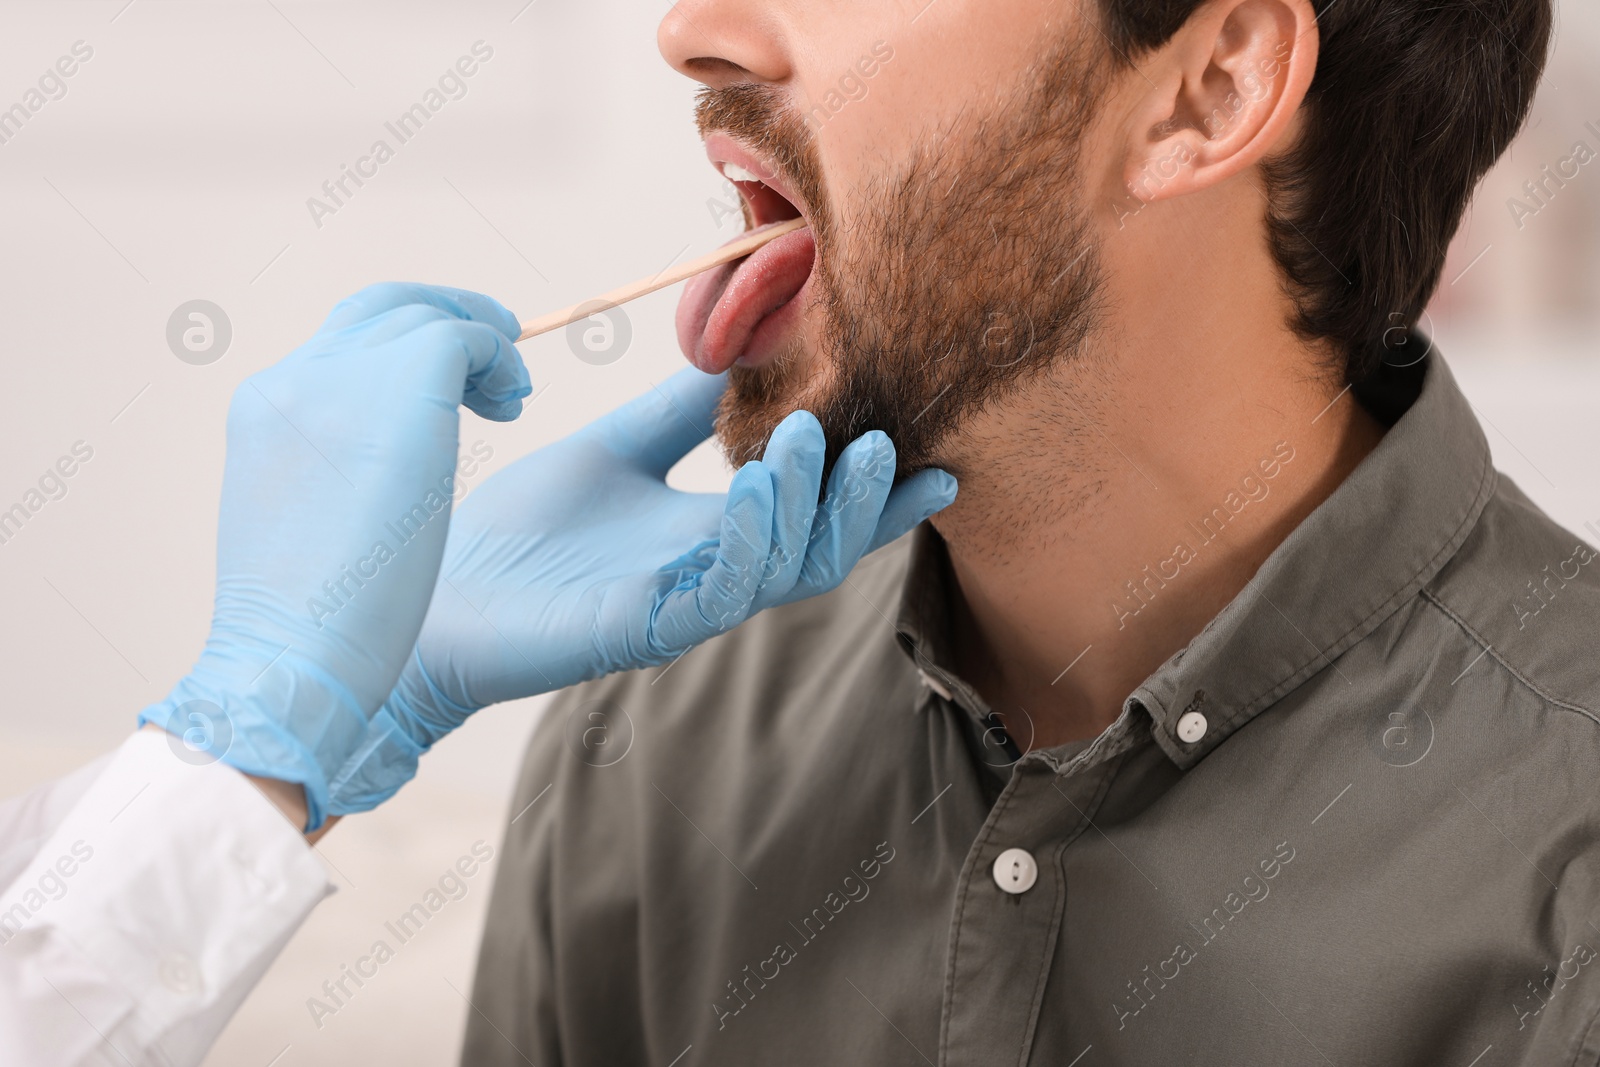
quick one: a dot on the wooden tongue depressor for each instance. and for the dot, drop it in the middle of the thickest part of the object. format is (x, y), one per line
(737, 249)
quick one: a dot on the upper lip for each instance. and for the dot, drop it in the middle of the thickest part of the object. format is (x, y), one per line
(723, 148)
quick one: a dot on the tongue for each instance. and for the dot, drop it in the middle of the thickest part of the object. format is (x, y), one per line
(721, 309)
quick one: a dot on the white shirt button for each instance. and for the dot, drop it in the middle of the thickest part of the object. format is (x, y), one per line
(1191, 728)
(179, 973)
(1015, 871)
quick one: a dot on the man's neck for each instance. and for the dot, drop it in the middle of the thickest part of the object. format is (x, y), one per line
(1106, 516)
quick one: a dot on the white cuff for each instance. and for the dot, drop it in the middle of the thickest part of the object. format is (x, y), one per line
(150, 913)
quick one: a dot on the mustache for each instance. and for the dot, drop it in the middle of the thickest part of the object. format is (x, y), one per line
(762, 118)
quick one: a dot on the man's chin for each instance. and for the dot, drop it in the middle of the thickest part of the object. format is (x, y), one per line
(791, 377)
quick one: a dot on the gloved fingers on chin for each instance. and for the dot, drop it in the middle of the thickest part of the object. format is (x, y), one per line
(375, 300)
(913, 501)
(721, 597)
(657, 429)
(795, 455)
(843, 524)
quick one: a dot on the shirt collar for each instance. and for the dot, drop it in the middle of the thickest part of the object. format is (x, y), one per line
(923, 622)
(1364, 552)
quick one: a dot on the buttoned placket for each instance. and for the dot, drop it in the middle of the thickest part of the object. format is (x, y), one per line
(1008, 912)
(1007, 918)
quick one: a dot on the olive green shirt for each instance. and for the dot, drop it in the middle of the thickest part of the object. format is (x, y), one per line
(1354, 822)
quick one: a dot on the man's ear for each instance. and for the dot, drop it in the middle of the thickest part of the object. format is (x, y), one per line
(1222, 92)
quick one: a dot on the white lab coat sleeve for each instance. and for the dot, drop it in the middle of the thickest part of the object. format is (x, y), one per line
(28, 820)
(144, 898)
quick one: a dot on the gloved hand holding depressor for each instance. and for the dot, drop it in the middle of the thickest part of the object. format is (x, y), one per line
(578, 560)
(335, 504)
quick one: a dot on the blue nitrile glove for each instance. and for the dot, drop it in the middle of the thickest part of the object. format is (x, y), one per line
(335, 503)
(579, 560)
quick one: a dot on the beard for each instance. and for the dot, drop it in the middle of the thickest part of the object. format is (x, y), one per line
(947, 287)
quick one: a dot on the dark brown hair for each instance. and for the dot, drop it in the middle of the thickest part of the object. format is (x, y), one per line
(1412, 102)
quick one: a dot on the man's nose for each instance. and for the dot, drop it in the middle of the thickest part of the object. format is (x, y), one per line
(723, 42)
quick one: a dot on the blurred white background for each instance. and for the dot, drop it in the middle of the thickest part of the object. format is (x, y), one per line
(178, 166)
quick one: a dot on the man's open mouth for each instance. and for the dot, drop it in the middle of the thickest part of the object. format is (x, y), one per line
(742, 310)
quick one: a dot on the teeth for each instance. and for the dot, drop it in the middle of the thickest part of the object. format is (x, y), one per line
(735, 173)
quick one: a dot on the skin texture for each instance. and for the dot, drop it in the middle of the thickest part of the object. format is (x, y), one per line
(1175, 378)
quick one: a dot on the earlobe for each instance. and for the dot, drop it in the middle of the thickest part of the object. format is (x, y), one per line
(1225, 90)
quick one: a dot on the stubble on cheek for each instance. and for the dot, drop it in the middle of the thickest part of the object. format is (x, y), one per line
(947, 286)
